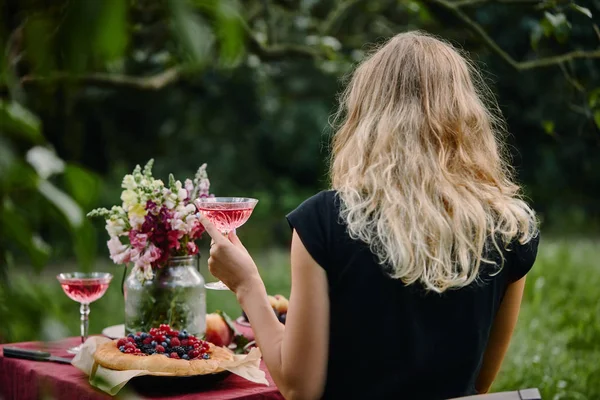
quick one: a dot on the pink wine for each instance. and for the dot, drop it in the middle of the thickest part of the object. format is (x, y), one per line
(84, 290)
(226, 217)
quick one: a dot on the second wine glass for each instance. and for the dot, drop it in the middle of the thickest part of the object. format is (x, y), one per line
(227, 214)
(84, 288)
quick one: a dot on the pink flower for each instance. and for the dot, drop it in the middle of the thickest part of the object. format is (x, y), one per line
(192, 248)
(197, 230)
(137, 239)
(173, 238)
(189, 186)
(119, 253)
(146, 259)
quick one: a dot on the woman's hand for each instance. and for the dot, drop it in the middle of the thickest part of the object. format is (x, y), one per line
(229, 260)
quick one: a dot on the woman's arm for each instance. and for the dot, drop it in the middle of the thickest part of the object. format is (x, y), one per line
(502, 330)
(295, 354)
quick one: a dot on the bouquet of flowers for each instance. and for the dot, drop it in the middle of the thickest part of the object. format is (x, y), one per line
(155, 221)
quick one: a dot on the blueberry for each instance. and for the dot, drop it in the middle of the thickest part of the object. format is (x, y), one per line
(181, 335)
(137, 338)
(153, 343)
(282, 318)
(164, 344)
(131, 335)
(185, 357)
(122, 349)
(144, 335)
(168, 340)
(168, 355)
(205, 356)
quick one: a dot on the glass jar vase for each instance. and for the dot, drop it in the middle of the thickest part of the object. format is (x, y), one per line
(174, 296)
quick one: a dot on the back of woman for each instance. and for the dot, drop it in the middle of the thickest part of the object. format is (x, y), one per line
(389, 340)
(407, 276)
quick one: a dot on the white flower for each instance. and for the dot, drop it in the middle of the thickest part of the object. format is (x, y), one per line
(139, 273)
(190, 209)
(129, 182)
(179, 225)
(129, 198)
(137, 215)
(148, 274)
(115, 227)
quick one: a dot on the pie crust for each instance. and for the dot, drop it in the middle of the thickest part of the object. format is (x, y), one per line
(109, 356)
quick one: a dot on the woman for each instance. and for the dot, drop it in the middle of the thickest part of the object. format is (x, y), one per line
(407, 277)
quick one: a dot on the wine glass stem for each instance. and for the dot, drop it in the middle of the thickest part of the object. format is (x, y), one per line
(84, 310)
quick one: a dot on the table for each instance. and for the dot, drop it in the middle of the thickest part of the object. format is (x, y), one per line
(24, 379)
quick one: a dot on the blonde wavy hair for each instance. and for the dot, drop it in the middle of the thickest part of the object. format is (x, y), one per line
(419, 164)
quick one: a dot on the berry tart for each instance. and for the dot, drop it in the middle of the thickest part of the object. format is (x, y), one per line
(163, 351)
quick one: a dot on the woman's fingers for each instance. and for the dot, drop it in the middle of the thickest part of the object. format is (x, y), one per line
(233, 238)
(211, 229)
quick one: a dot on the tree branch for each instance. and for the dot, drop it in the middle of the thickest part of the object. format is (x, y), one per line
(467, 3)
(153, 82)
(281, 51)
(335, 15)
(518, 65)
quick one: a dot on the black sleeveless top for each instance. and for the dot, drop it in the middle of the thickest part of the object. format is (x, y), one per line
(391, 341)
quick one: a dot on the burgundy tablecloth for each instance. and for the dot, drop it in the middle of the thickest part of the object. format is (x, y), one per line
(24, 380)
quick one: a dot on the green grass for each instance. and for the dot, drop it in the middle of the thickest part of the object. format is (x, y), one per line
(556, 346)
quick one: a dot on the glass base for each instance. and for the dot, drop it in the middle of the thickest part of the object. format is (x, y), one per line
(74, 350)
(216, 286)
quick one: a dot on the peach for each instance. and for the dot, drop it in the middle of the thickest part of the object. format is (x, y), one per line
(281, 304)
(217, 330)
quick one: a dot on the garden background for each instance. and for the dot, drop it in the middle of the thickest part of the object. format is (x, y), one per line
(90, 88)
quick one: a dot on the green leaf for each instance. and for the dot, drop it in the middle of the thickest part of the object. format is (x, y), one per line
(556, 20)
(597, 118)
(583, 10)
(111, 36)
(15, 227)
(19, 122)
(238, 338)
(65, 204)
(548, 127)
(594, 98)
(192, 30)
(229, 33)
(556, 24)
(82, 184)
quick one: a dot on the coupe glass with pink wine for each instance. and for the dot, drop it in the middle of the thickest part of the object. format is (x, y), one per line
(227, 214)
(84, 288)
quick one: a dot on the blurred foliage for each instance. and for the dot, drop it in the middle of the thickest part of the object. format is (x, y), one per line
(88, 89)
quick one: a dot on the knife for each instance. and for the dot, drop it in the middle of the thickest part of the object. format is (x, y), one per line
(33, 355)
